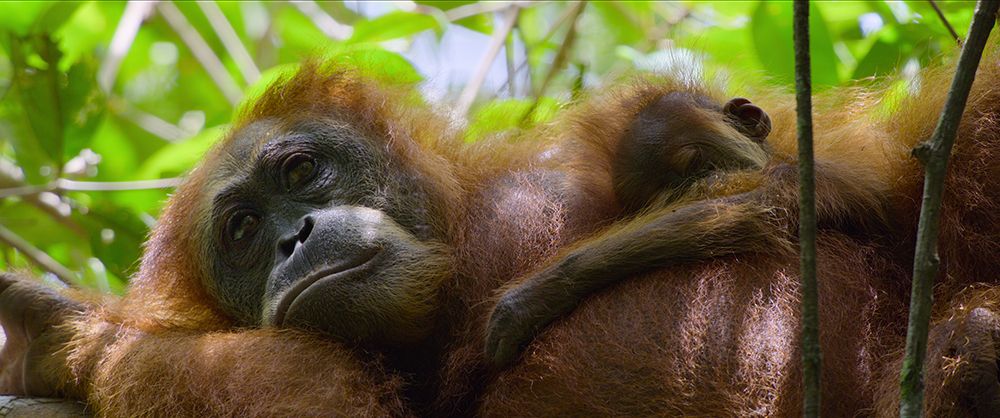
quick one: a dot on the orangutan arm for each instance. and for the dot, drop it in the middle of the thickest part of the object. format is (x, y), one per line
(254, 372)
(122, 371)
(697, 231)
(763, 220)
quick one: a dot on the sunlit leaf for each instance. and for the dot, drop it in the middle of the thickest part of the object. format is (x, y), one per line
(54, 16)
(393, 25)
(482, 22)
(61, 109)
(116, 236)
(881, 59)
(378, 63)
(502, 116)
(177, 158)
(620, 21)
(26, 17)
(83, 33)
(772, 36)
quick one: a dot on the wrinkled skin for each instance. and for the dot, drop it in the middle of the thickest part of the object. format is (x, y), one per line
(324, 231)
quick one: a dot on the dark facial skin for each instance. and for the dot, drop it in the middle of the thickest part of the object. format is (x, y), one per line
(682, 137)
(315, 226)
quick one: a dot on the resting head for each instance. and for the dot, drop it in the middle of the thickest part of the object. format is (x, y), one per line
(325, 208)
(681, 137)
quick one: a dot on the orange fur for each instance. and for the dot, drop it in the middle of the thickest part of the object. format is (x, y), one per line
(701, 339)
(720, 338)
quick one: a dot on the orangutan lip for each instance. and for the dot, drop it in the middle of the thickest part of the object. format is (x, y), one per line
(359, 263)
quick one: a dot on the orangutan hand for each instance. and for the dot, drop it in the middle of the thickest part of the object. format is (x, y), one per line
(525, 310)
(962, 373)
(508, 332)
(31, 361)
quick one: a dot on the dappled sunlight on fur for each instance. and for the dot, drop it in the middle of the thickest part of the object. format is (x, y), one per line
(713, 332)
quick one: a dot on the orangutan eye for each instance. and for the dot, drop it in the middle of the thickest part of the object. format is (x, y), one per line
(243, 224)
(297, 170)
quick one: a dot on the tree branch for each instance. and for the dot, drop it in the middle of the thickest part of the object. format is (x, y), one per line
(148, 121)
(935, 154)
(37, 257)
(115, 186)
(469, 10)
(323, 21)
(496, 41)
(557, 63)
(944, 20)
(230, 40)
(202, 52)
(564, 48)
(563, 18)
(128, 26)
(19, 406)
(11, 179)
(64, 185)
(509, 56)
(811, 356)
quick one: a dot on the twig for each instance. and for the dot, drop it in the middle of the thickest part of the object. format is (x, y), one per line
(469, 10)
(563, 18)
(934, 154)
(509, 55)
(65, 185)
(558, 61)
(149, 122)
(38, 257)
(944, 20)
(496, 41)
(564, 48)
(10, 178)
(128, 26)
(230, 40)
(202, 52)
(811, 357)
(116, 186)
(27, 190)
(323, 21)
(552, 31)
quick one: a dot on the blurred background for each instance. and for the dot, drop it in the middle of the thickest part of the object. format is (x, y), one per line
(105, 105)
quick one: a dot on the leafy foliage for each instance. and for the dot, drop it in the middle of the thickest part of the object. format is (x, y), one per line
(100, 93)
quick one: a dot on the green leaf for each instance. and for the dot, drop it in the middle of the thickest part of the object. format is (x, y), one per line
(267, 77)
(116, 236)
(36, 226)
(772, 38)
(379, 64)
(60, 111)
(392, 25)
(482, 22)
(81, 35)
(533, 23)
(444, 5)
(620, 22)
(84, 107)
(38, 93)
(118, 154)
(177, 158)
(54, 16)
(20, 15)
(298, 34)
(882, 58)
(501, 116)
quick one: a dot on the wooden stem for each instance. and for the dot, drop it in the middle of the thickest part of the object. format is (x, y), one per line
(935, 155)
(811, 357)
